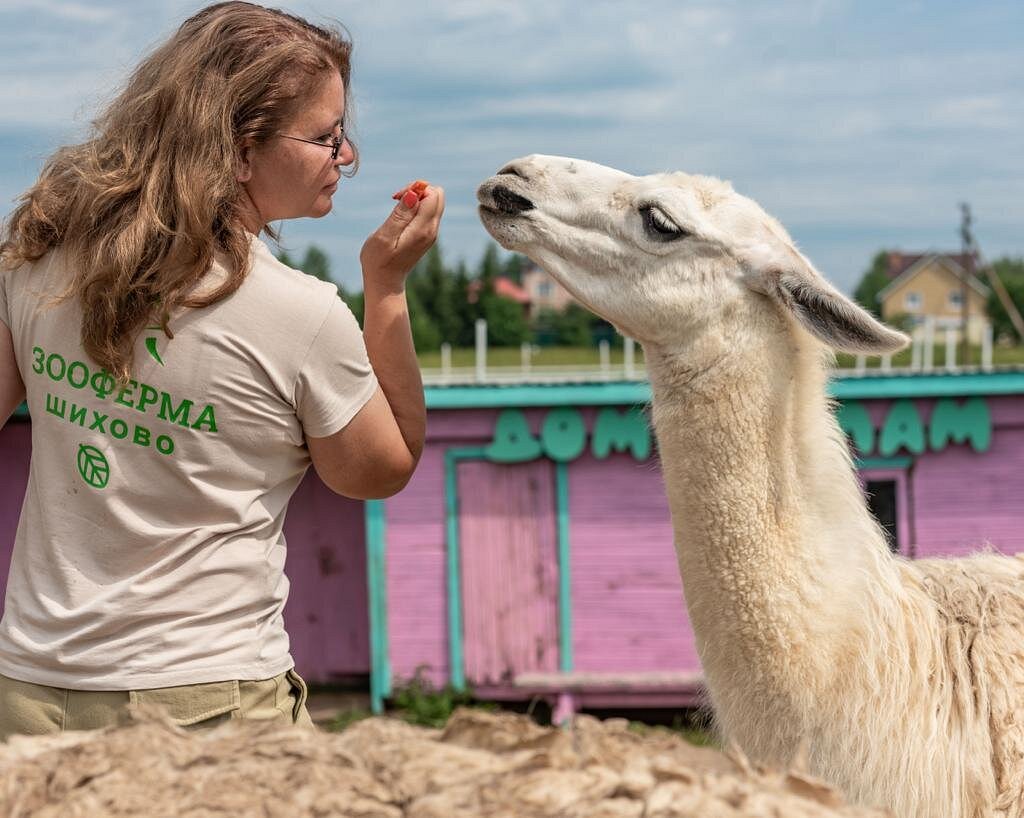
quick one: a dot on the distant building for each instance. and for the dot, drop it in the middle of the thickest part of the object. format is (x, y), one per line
(927, 285)
(543, 291)
(506, 288)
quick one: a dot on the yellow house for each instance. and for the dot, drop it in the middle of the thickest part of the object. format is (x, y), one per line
(931, 285)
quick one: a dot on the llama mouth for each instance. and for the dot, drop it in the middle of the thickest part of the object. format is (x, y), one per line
(510, 203)
(500, 201)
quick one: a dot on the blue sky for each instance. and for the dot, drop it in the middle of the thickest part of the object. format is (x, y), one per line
(860, 125)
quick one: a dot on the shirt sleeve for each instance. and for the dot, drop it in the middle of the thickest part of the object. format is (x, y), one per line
(336, 380)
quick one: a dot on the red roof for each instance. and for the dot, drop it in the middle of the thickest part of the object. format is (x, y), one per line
(509, 289)
(503, 286)
(899, 262)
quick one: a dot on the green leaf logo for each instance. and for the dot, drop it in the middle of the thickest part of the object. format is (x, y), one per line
(93, 466)
(151, 348)
(151, 345)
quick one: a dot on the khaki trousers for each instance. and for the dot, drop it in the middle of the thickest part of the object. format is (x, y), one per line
(32, 709)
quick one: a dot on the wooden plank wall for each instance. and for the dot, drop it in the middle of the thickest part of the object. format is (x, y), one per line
(964, 499)
(416, 569)
(509, 577)
(628, 606)
(629, 612)
(15, 453)
(327, 614)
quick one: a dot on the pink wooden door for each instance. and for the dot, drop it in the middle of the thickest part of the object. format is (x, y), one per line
(509, 569)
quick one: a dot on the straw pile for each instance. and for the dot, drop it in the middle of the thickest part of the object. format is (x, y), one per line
(480, 765)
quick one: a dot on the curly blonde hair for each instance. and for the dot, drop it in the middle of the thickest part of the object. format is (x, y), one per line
(142, 206)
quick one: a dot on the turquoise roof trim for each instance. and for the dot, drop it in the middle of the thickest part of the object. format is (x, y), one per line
(561, 394)
(623, 393)
(931, 385)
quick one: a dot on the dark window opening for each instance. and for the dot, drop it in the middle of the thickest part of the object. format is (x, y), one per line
(882, 502)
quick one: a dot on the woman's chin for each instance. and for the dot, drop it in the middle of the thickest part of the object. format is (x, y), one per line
(322, 206)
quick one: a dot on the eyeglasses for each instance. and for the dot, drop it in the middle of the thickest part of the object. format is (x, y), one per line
(335, 144)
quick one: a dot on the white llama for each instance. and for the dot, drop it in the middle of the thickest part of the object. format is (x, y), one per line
(903, 680)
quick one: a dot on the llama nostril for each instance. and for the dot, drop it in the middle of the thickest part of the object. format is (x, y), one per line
(509, 202)
(511, 170)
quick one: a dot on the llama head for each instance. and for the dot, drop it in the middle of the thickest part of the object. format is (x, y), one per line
(664, 256)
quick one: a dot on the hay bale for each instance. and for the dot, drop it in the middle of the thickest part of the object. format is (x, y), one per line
(481, 764)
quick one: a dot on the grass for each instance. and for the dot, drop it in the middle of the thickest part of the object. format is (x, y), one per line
(419, 703)
(590, 356)
(688, 728)
(345, 719)
(542, 356)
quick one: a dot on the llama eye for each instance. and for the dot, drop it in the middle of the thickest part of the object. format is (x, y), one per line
(659, 226)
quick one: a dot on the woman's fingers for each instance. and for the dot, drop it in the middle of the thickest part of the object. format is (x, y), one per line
(418, 187)
(408, 232)
(428, 218)
(425, 222)
(431, 204)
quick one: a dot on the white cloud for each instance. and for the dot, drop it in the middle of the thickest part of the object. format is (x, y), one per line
(854, 124)
(991, 111)
(90, 13)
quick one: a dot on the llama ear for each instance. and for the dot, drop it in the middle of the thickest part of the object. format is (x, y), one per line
(830, 316)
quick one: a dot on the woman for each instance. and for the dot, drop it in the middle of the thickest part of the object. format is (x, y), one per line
(181, 380)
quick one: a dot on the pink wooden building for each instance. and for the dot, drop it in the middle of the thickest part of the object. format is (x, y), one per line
(532, 553)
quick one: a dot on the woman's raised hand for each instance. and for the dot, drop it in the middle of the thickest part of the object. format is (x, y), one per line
(393, 249)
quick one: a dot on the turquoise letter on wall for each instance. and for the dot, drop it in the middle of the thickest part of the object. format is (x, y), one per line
(512, 442)
(563, 435)
(961, 423)
(854, 420)
(621, 432)
(902, 429)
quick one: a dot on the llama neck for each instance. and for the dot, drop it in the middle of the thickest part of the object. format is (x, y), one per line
(780, 560)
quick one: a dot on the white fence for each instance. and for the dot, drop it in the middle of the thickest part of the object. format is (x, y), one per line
(925, 338)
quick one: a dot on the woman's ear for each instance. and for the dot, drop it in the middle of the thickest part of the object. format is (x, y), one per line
(243, 170)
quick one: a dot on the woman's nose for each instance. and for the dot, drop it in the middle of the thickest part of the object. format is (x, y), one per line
(346, 156)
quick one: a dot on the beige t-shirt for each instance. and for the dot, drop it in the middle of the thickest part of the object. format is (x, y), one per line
(149, 551)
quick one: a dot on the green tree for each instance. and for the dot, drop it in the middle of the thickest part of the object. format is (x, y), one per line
(356, 303)
(545, 327)
(506, 321)
(875, 279)
(514, 266)
(425, 335)
(465, 311)
(316, 263)
(574, 326)
(435, 288)
(490, 268)
(1011, 272)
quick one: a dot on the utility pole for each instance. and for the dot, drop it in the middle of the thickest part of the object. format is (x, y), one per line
(967, 254)
(970, 247)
